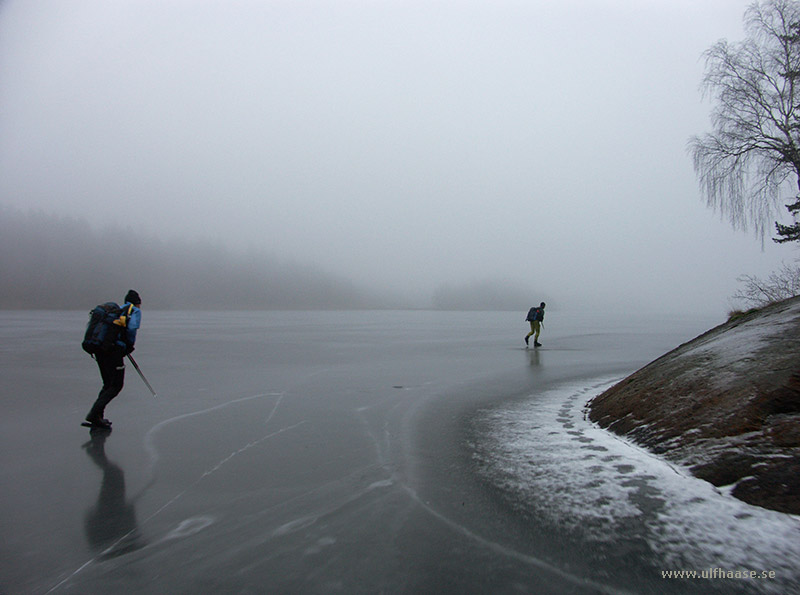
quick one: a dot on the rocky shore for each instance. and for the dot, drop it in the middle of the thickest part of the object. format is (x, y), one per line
(726, 405)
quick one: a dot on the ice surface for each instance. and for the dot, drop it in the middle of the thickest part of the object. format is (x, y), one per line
(304, 452)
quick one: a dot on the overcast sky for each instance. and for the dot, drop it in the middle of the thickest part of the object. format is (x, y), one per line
(404, 144)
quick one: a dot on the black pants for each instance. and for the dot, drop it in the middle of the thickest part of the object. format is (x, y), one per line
(112, 371)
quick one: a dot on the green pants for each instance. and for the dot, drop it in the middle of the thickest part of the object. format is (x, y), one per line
(536, 328)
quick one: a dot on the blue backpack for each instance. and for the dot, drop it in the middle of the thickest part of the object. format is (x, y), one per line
(535, 314)
(106, 323)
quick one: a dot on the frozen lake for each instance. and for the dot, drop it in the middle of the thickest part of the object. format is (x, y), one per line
(354, 452)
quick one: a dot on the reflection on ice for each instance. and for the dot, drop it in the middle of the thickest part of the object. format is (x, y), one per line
(111, 527)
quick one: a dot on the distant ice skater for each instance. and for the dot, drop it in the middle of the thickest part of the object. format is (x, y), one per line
(536, 318)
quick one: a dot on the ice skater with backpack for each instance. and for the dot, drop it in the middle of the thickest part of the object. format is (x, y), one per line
(536, 318)
(110, 336)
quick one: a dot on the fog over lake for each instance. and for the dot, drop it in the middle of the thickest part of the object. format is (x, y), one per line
(463, 154)
(337, 213)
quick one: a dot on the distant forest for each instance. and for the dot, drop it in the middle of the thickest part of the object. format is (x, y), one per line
(63, 263)
(482, 295)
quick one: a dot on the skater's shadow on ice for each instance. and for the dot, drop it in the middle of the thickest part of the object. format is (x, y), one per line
(110, 523)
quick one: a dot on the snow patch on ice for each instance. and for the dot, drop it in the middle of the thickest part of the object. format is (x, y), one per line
(551, 462)
(380, 484)
(189, 527)
(318, 546)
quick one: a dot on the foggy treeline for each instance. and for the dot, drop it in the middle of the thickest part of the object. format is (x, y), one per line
(52, 262)
(63, 263)
(481, 295)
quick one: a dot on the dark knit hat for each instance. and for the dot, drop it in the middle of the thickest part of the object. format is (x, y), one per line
(133, 298)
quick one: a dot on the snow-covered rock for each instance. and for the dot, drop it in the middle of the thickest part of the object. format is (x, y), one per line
(726, 405)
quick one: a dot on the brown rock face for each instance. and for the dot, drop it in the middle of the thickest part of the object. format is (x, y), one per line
(726, 404)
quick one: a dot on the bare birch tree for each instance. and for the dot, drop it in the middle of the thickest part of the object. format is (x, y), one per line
(754, 149)
(780, 285)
